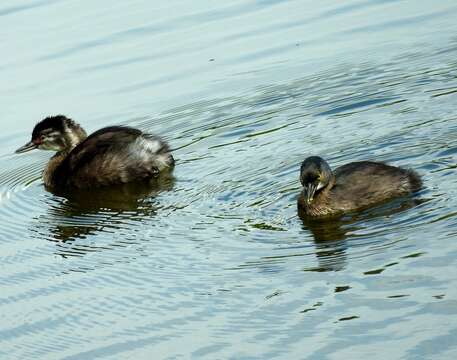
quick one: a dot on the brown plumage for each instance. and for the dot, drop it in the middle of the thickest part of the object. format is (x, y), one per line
(112, 155)
(353, 186)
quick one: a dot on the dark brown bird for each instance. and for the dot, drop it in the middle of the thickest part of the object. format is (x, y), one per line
(350, 187)
(112, 155)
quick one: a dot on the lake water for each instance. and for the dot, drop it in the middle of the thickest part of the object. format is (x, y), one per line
(216, 264)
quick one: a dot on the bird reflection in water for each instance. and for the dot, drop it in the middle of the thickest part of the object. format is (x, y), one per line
(331, 235)
(80, 213)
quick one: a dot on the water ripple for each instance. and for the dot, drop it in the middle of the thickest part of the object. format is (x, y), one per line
(217, 258)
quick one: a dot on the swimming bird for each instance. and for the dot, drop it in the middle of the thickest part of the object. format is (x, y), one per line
(109, 156)
(351, 187)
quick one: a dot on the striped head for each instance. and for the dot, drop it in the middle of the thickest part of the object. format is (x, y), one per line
(56, 133)
(315, 174)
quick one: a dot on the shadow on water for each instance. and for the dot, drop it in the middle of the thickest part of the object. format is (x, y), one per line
(82, 213)
(331, 235)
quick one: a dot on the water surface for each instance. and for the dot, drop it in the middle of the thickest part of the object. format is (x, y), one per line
(216, 263)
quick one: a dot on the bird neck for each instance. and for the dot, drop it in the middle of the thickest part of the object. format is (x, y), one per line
(51, 167)
(73, 137)
(320, 204)
(324, 193)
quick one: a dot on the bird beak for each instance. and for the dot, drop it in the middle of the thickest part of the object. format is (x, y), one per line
(27, 147)
(310, 190)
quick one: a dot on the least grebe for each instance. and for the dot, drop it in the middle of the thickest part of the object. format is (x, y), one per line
(350, 187)
(112, 155)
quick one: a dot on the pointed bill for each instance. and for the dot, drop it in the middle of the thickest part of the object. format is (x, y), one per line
(27, 147)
